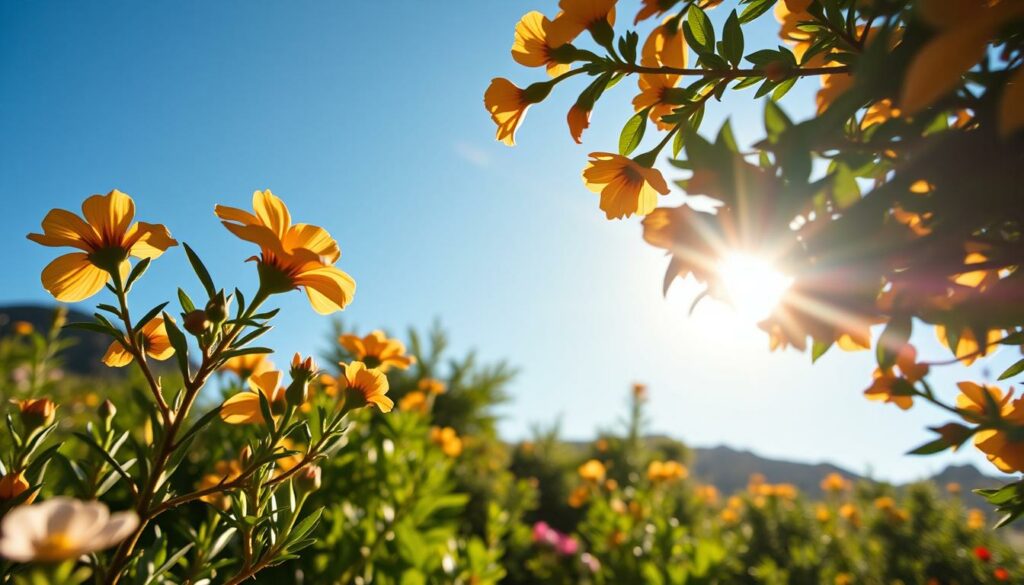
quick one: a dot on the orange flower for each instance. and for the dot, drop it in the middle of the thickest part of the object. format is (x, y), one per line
(376, 350)
(532, 48)
(431, 386)
(244, 407)
(665, 47)
(154, 342)
(967, 348)
(414, 401)
(224, 471)
(1003, 448)
(626, 186)
(248, 365)
(36, 412)
(665, 471)
(447, 439)
(578, 119)
(106, 238)
(507, 105)
(908, 369)
(23, 328)
(835, 483)
(832, 86)
(654, 94)
(577, 16)
(593, 471)
(13, 485)
(366, 387)
(291, 256)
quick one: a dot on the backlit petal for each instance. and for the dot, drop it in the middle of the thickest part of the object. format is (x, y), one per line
(110, 215)
(72, 278)
(329, 288)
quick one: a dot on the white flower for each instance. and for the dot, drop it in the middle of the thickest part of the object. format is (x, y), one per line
(62, 528)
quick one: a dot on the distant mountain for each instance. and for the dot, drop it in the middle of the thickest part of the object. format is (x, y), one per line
(83, 357)
(729, 470)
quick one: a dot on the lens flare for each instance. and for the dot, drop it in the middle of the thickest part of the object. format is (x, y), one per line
(752, 285)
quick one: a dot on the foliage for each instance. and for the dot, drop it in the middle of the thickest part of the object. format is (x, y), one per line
(894, 207)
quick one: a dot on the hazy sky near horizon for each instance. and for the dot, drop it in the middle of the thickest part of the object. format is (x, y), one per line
(367, 118)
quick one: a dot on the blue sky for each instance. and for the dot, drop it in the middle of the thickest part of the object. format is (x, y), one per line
(367, 118)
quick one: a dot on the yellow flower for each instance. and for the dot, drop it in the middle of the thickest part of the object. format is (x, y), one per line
(665, 471)
(730, 516)
(12, 485)
(967, 348)
(975, 519)
(626, 186)
(577, 16)
(106, 238)
(366, 387)
(973, 400)
(248, 365)
(414, 401)
(832, 86)
(883, 387)
(447, 439)
(507, 105)
(885, 503)
(431, 386)
(879, 112)
(376, 350)
(154, 342)
(834, 483)
(850, 513)
(531, 47)
(244, 407)
(35, 412)
(62, 529)
(1003, 448)
(844, 579)
(665, 47)
(224, 471)
(708, 494)
(291, 256)
(592, 471)
(23, 328)
(654, 95)
(822, 513)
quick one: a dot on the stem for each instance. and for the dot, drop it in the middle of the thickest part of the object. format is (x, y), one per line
(175, 420)
(729, 73)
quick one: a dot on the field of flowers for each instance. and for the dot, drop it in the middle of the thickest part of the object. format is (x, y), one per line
(428, 493)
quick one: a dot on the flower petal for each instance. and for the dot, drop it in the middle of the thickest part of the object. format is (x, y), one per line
(272, 212)
(329, 288)
(110, 215)
(117, 356)
(149, 240)
(63, 228)
(242, 408)
(72, 278)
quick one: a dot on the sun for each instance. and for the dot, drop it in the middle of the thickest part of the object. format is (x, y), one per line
(752, 285)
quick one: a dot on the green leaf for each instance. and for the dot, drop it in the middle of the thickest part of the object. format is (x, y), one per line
(930, 447)
(200, 270)
(151, 314)
(818, 349)
(755, 9)
(91, 442)
(845, 191)
(136, 272)
(700, 29)
(633, 133)
(732, 40)
(775, 120)
(179, 342)
(1013, 370)
(186, 303)
(783, 88)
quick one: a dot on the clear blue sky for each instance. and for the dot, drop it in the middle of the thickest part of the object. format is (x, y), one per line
(367, 118)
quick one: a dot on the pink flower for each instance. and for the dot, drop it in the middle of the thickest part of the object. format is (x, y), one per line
(541, 532)
(567, 545)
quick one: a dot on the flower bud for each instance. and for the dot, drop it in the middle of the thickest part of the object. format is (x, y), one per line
(217, 308)
(107, 411)
(302, 371)
(307, 479)
(245, 456)
(36, 412)
(13, 485)
(775, 71)
(196, 322)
